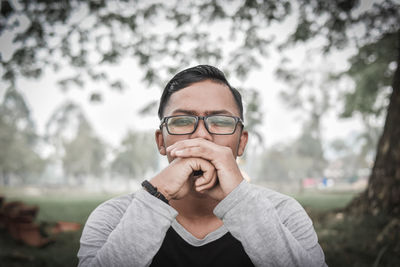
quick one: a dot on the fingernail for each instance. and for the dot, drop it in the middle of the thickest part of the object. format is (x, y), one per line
(198, 182)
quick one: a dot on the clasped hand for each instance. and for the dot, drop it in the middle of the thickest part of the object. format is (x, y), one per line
(220, 173)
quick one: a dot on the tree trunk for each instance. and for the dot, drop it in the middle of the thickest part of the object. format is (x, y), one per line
(382, 195)
(6, 178)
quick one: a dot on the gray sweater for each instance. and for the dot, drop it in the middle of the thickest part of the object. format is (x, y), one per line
(273, 229)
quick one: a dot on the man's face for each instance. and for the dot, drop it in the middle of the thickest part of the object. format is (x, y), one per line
(201, 99)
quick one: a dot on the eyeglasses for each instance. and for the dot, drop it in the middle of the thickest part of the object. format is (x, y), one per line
(187, 124)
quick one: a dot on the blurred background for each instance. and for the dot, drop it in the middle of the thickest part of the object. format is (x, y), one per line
(79, 95)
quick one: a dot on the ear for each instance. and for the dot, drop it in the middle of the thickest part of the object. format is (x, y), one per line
(160, 142)
(244, 136)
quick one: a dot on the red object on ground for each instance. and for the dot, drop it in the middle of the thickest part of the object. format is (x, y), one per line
(62, 226)
(18, 219)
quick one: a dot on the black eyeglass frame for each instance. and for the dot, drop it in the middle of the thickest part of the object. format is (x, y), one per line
(165, 119)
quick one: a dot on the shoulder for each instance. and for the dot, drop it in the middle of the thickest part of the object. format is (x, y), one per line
(286, 206)
(277, 199)
(111, 211)
(118, 204)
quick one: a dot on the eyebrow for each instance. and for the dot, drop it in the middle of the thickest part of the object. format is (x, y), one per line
(208, 112)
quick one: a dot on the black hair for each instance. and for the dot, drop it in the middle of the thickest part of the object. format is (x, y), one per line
(197, 74)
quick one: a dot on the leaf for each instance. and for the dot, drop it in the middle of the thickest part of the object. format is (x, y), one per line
(95, 97)
(6, 9)
(148, 108)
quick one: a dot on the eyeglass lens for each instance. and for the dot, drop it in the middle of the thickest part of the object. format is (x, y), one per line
(187, 124)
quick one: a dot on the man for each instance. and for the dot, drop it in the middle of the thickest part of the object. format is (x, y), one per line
(199, 211)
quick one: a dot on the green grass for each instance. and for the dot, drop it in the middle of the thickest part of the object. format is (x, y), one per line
(53, 208)
(60, 253)
(324, 200)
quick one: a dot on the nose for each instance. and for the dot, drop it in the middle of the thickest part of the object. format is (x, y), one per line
(201, 131)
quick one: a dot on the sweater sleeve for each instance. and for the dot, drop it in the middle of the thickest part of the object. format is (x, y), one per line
(273, 228)
(125, 231)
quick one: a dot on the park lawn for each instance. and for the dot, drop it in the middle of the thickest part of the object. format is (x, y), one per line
(53, 208)
(345, 242)
(321, 201)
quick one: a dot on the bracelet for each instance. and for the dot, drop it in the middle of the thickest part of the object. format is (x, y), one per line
(153, 191)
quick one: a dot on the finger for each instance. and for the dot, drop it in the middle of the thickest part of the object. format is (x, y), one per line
(200, 181)
(193, 152)
(200, 165)
(211, 180)
(202, 187)
(189, 143)
(206, 186)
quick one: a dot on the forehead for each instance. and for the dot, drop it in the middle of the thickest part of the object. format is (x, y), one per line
(202, 97)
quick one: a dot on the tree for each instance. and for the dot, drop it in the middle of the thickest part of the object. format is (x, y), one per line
(54, 28)
(284, 163)
(136, 155)
(299, 159)
(375, 65)
(309, 146)
(351, 161)
(63, 125)
(76, 146)
(84, 154)
(18, 139)
(86, 37)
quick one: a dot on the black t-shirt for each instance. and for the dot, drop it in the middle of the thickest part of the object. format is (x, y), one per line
(225, 251)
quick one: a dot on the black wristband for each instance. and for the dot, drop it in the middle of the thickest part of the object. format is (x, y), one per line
(153, 191)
